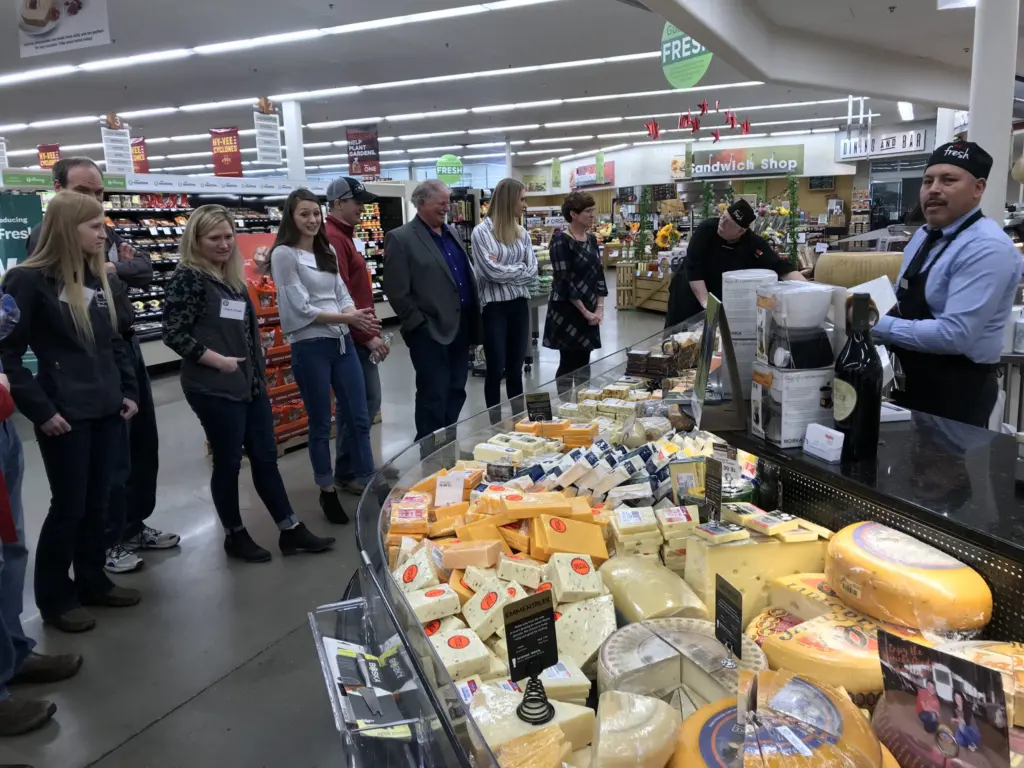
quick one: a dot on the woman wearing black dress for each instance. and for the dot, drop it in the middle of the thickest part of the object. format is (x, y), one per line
(578, 288)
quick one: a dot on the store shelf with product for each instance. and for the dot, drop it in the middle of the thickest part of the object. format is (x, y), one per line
(940, 494)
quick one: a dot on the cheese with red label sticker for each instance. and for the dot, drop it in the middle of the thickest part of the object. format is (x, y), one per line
(483, 611)
(475, 578)
(446, 624)
(520, 568)
(434, 602)
(556, 534)
(515, 591)
(573, 578)
(416, 573)
(462, 652)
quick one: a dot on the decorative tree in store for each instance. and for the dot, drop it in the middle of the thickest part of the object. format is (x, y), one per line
(643, 232)
(730, 194)
(707, 200)
(793, 189)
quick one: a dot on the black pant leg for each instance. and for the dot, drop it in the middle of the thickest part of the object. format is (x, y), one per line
(517, 339)
(145, 454)
(430, 360)
(495, 321)
(106, 442)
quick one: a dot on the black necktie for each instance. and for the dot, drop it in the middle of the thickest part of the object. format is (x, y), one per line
(917, 263)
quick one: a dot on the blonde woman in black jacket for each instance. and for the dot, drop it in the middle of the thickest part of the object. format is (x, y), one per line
(84, 388)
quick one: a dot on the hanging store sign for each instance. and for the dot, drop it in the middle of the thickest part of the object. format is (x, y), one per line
(587, 176)
(914, 141)
(449, 169)
(48, 155)
(50, 26)
(140, 160)
(556, 173)
(117, 150)
(679, 166)
(268, 138)
(735, 162)
(683, 60)
(364, 151)
(3, 153)
(227, 155)
(535, 182)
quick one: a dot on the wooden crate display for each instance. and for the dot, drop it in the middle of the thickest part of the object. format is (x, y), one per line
(651, 291)
(625, 277)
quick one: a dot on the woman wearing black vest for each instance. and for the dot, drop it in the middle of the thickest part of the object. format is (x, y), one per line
(210, 322)
(84, 388)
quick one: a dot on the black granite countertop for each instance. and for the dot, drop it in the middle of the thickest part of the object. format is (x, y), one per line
(949, 475)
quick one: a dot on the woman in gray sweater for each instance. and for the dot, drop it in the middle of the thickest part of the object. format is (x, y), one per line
(316, 312)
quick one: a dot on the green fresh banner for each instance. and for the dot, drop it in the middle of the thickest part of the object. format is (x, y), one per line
(556, 173)
(15, 179)
(115, 182)
(734, 162)
(599, 165)
(683, 60)
(19, 214)
(449, 169)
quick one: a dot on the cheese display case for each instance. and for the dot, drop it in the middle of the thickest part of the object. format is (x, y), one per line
(603, 506)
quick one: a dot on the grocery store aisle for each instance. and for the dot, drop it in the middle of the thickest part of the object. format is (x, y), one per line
(216, 667)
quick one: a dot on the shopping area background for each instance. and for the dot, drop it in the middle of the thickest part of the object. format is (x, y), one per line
(822, 119)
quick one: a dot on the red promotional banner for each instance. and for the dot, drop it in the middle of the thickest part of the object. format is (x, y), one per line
(363, 151)
(48, 154)
(227, 155)
(140, 160)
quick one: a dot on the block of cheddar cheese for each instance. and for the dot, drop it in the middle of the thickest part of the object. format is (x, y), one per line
(429, 483)
(521, 506)
(517, 535)
(554, 428)
(484, 530)
(409, 518)
(452, 510)
(445, 526)
(557, 534)
(528, 427)
(458, 583)
(483, 554)
(580, 510)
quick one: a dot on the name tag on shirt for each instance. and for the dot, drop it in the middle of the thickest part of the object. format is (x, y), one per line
(232, 310)
(307, 260)
(89, 293)
(904, 284)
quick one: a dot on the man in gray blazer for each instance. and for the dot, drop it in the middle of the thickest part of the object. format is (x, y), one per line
(429, 281)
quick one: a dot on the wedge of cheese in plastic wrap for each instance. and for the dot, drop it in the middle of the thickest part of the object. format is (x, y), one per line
(564, 681)
(475, 578)
(642, 590)
(416, 573)
(493, 709)
(545, 748)
(656, 657)
(447, 624)
(483, 611)
(633, 731)
(573, 578)
(462, 653)
(434, 602)
(1006, 658)
(750, 566)
(896, 578)
(804, 595)
(580, 628)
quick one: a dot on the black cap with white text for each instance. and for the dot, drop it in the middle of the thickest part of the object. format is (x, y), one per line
(963, 154)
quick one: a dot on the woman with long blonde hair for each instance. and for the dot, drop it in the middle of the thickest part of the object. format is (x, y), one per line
(210, 321)
(84, 386)
(505, 264)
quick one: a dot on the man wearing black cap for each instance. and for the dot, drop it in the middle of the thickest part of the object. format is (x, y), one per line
(345, 200)
(954, 294)
(720, 246)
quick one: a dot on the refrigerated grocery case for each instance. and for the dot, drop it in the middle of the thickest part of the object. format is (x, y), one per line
(978, 528)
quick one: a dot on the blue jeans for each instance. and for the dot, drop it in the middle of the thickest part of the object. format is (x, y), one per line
(14, 645)
(231, 426)
(371, 380)
(319, 366)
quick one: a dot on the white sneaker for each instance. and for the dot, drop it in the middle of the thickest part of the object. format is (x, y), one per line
(151, 538)
(120, 560)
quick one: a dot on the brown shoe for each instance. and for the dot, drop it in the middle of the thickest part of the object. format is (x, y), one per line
(47, 669)
(18, 716)
(115, 597)
(75, 620)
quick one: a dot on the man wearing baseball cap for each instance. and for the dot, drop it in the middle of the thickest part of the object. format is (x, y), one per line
(345, 199)
(718, 246)
(954, 294)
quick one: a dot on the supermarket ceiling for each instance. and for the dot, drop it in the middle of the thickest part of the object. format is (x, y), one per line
(593, 60)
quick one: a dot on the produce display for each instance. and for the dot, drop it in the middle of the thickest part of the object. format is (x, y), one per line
(588, 510)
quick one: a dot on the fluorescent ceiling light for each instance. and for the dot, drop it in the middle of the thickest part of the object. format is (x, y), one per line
(158, 140)
(17, 78)
(504, 5)
(385, 139)
(218, 105)
(190, 137)
(788, 133)
(906, 110)
(21, 152)
(184, 155)
(494, 108)
(438, 134)
(13, 127)
(63, 121)
(318, 145)
(147, 112)
(506, 128)
(426, 159)
(825, 130)
(545, 162)
(614, 147)
(740, 136)
(837, 119)
(321, 94)
(623, 135)
(251, 131)
(333, 165)
(421, 115)
(435, 149)
(340, 123)
(560, 139)
(395, 162)
(592, 121)
(550, 151)
(412, 18)
(157, 157)
(185, 168)
(326, 157)
(481, 157)
(141, 58)
(633, 57)
(486, 144)
(391, 152)
(256, 42)
(78, 147)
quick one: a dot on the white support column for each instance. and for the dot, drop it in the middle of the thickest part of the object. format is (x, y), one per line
(291, 112)
(944, 126)
(508, 157)
(993, 66)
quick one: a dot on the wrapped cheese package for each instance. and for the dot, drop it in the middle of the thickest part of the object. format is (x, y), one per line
(634, 730)
(644, 589)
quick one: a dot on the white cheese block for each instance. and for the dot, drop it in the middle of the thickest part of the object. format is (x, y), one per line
(499, 646)
(520, 568)
(416, 573)
(440, 626)
(467, 687)
(434, 602)
(483, 611)
(643, 589)
(497, 669)
(641, 542)
(564, 681)
(475, 578)
(406, 549)
(491, 453)
(677, 521)
(580, 758)
(634, 731)
(573, 578)
(582, 627)
(514, 591)
(500, 439)
(494, 711)
(462, 652)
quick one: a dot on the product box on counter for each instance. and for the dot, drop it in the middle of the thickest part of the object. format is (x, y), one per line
(744, 350)
(791, 328)
(783, 402)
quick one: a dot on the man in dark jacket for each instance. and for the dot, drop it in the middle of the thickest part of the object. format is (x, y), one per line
(133, 496)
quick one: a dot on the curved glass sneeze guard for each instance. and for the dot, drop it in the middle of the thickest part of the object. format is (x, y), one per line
(456, 738)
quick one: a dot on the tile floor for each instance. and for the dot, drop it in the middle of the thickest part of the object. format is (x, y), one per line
(216, 667)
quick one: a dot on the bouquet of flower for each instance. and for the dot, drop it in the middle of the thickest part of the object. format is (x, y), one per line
(667, 237)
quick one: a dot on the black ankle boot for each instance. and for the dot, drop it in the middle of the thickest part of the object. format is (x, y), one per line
(332, 508)
(241, 546)
(299, 539)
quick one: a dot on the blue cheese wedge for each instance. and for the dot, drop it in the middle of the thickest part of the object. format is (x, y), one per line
(633, 520)
(573, 578)
(581, 627)
(475, 578)
(718, 532)
(520, 568)
(462, 652)
(483, 611)
(434, 602)
(416, 573)
(677, 521)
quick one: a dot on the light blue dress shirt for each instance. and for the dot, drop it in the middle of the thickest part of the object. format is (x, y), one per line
(969, 290)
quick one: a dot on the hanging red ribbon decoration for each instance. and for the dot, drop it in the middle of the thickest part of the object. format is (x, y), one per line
(716, 105)
(704, 107)
(653, 129)
(746, 126)
(732, 121)
(684, 121)
(717, 134)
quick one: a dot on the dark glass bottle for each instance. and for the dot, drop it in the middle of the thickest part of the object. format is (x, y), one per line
(857, 390)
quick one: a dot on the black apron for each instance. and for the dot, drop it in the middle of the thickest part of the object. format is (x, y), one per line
(951, 386)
